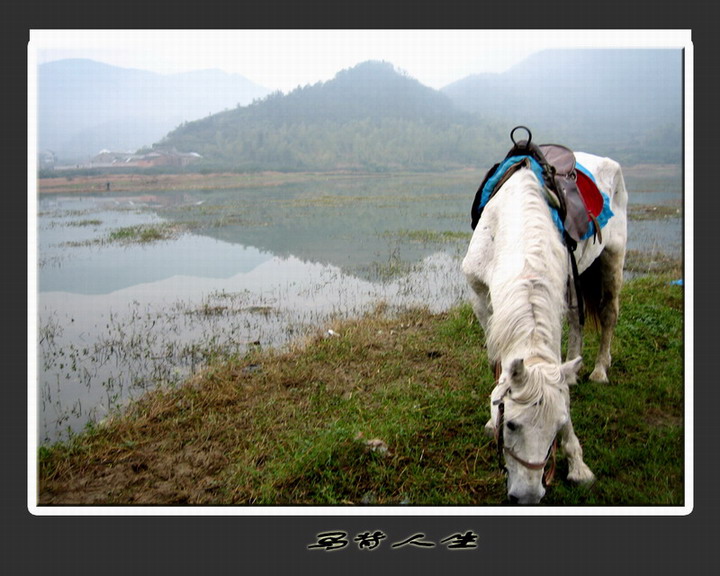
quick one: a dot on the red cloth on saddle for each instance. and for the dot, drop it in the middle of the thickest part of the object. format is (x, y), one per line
(589, 193)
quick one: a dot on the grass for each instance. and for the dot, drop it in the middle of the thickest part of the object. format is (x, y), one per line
(139, 234)
(653, 262)
(429, 236)
(84, 223)
(650, 212)
(390, 411)
(144, 183)
(142, 233)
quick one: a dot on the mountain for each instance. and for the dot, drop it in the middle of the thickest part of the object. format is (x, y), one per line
(368, 117)
(85, 106)
(622, 102)
(626, 104)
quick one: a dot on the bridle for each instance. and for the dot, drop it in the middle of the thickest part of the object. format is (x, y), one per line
(502, 449)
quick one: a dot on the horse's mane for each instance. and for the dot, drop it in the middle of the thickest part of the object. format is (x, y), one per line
(537, 390)
(528, 306)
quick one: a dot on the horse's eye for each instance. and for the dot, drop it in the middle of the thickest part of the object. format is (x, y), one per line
(512, 426)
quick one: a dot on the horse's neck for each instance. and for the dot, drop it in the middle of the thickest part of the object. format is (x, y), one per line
(527, 243)
(530, 273)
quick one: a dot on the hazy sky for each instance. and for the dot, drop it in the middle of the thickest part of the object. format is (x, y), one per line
(285, 59)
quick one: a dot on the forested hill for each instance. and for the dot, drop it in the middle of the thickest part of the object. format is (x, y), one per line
(626, 104)
(370, 117)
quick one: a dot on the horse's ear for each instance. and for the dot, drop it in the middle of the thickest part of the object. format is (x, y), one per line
(490, 428)
(570, 369)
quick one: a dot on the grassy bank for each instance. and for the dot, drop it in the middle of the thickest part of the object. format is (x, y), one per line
(387, 410)
(133, 183)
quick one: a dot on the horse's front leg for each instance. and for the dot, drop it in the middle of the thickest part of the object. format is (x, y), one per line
(480, 301)
(578, 471)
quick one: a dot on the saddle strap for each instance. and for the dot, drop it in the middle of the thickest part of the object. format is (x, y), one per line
(576, 283)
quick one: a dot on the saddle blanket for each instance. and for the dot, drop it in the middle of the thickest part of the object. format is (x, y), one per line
(596, 201)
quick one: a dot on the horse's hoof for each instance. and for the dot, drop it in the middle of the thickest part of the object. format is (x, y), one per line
(582, 476)
(599, 375)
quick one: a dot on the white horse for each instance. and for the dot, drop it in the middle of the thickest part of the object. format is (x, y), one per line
(519, 270)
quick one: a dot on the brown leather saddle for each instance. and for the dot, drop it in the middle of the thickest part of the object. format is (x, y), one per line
(573, 193)
(583, 200)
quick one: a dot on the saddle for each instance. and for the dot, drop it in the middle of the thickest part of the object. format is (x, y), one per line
(573, 192)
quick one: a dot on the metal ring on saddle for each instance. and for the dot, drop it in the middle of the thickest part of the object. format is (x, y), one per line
(529, 138)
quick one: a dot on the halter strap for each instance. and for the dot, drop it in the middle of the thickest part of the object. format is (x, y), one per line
(551, 457)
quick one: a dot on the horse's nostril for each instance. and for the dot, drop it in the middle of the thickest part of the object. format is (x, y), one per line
(513, 499)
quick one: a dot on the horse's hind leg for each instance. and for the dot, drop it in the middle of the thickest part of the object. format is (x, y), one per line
(612, 277)
(575, 334)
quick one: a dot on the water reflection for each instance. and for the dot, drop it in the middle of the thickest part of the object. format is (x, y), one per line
(115, 321)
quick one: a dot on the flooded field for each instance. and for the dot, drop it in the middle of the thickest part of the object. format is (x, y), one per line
(139, 290)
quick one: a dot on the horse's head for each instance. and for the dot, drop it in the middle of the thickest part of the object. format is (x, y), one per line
(529, 406)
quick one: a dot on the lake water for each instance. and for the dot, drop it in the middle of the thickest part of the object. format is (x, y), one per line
(245, 268)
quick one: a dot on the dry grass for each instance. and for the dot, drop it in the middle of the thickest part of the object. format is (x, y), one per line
(388, 412)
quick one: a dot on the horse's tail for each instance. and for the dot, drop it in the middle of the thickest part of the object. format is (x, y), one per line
(591, 282)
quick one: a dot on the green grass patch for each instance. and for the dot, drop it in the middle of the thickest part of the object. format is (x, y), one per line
(139, 234)
(642, 263)
(651, 212)
(85, 223)
(390, 412)
(142, 233)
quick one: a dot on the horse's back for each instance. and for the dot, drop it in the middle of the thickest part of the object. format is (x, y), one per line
(609, 179)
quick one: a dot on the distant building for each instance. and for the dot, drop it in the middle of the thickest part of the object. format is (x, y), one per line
(46, 160)
(108, 159)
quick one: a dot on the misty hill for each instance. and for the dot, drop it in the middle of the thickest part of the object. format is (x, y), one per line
(622, 103)
(625, 103)
(368, 117)
(85, 106)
